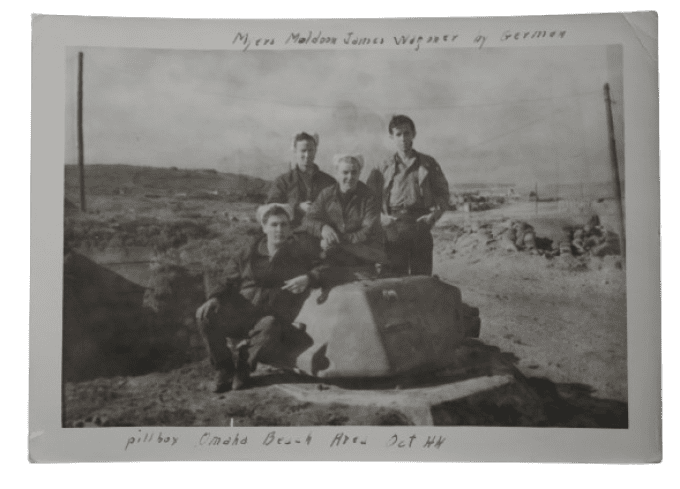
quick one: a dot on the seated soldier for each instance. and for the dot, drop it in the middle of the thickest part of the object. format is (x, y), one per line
(259, 295)
(346, 218)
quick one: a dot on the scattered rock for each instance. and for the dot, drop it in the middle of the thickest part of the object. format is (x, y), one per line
(594, 239)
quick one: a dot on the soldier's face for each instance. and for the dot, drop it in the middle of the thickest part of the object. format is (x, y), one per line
(304, 152)
(402, 138)
(277, 229)
(347, 175)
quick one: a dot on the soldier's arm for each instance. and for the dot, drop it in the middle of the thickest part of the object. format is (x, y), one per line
(375, 182)
(278, 192)
(230, 280)
(370, 223)
(314, 221)
(440, 191)
(318, 274)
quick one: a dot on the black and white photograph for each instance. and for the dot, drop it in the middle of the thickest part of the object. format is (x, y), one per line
(326, 226)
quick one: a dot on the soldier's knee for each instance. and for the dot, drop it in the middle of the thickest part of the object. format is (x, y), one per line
(207, 322)
(266, 325)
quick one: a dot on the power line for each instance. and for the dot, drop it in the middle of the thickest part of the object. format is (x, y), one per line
(272, 164)
(415, 108)
(512, 131)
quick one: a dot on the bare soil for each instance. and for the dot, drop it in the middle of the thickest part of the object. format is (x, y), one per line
(564, 317)
(561, 321)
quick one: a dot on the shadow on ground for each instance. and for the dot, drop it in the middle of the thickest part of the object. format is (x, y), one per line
(110, 339)
(563, 405)
(529, 401)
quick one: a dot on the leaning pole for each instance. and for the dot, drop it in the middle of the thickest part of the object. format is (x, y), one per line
(615, 169)
(81, 150)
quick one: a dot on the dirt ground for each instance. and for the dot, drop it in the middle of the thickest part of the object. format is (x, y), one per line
(566, 324)
(561, 321)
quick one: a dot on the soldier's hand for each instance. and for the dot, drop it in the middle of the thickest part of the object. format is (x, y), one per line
(329, 235)
(386, 219)
(210, 306)
(428, 219)
(297, 285)
(304, 206)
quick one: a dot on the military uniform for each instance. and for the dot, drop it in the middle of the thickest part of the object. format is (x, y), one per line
(295, 187)
(410, 190)
(253, 308)
(355, 216)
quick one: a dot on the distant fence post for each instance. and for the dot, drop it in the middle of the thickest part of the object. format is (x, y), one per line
(81, 150)
(615, 167)
(536, 195)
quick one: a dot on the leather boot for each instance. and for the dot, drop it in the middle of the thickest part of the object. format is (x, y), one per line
(242, 374)
(223, 380)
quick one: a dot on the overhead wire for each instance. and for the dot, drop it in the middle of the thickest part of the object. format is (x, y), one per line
(413, 108)
(514, 130)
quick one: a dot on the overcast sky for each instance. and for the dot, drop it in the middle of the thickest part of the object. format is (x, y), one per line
(487, 115)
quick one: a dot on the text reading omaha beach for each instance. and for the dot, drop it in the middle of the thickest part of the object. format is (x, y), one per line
(413, 41)
(272, 438)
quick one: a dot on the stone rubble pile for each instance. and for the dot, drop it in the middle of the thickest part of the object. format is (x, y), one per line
(592, 238)
(516, 235)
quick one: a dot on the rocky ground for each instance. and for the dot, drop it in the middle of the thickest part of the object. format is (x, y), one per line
(560, 320)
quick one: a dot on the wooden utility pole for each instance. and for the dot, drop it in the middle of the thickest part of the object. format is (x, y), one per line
(536, 195)
(615, 168)
(81, 150)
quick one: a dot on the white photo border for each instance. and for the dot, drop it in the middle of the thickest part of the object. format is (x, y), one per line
(636, 32)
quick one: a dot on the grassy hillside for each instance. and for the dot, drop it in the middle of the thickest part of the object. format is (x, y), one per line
(142, 180)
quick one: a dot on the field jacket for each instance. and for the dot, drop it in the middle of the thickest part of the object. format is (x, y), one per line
(433, 186)
(358, 223)
(289, 188)
(262, 286)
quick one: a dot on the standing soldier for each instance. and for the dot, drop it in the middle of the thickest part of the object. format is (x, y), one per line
(300, 186)
(414, 194)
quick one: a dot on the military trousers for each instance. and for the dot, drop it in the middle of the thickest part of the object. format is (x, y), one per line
(409, 246)
(238, 324)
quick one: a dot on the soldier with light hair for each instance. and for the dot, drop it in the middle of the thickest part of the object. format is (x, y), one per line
(345, 217)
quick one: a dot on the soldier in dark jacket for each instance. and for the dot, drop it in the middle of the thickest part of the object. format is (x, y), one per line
(259, 295)
(346, 218)
(300, 186)
(414, 194)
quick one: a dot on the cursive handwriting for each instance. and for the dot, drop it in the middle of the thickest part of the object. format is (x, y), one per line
(408, 442)
(246, 41)
(407, 40)
(151, 437)
(213, 440)
(343, 439)
(416, 40)
(271, 438)
(537, 34)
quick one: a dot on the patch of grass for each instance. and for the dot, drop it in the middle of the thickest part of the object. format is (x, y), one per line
(139, 231)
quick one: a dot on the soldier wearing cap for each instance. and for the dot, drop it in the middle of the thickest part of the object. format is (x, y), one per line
(260, 293)
(414, 194)
(345, 217)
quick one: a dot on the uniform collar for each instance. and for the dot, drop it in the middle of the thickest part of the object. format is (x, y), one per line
(414, 160)
(348, 195)
(423, 167)
(262, 250)
(300, 173)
